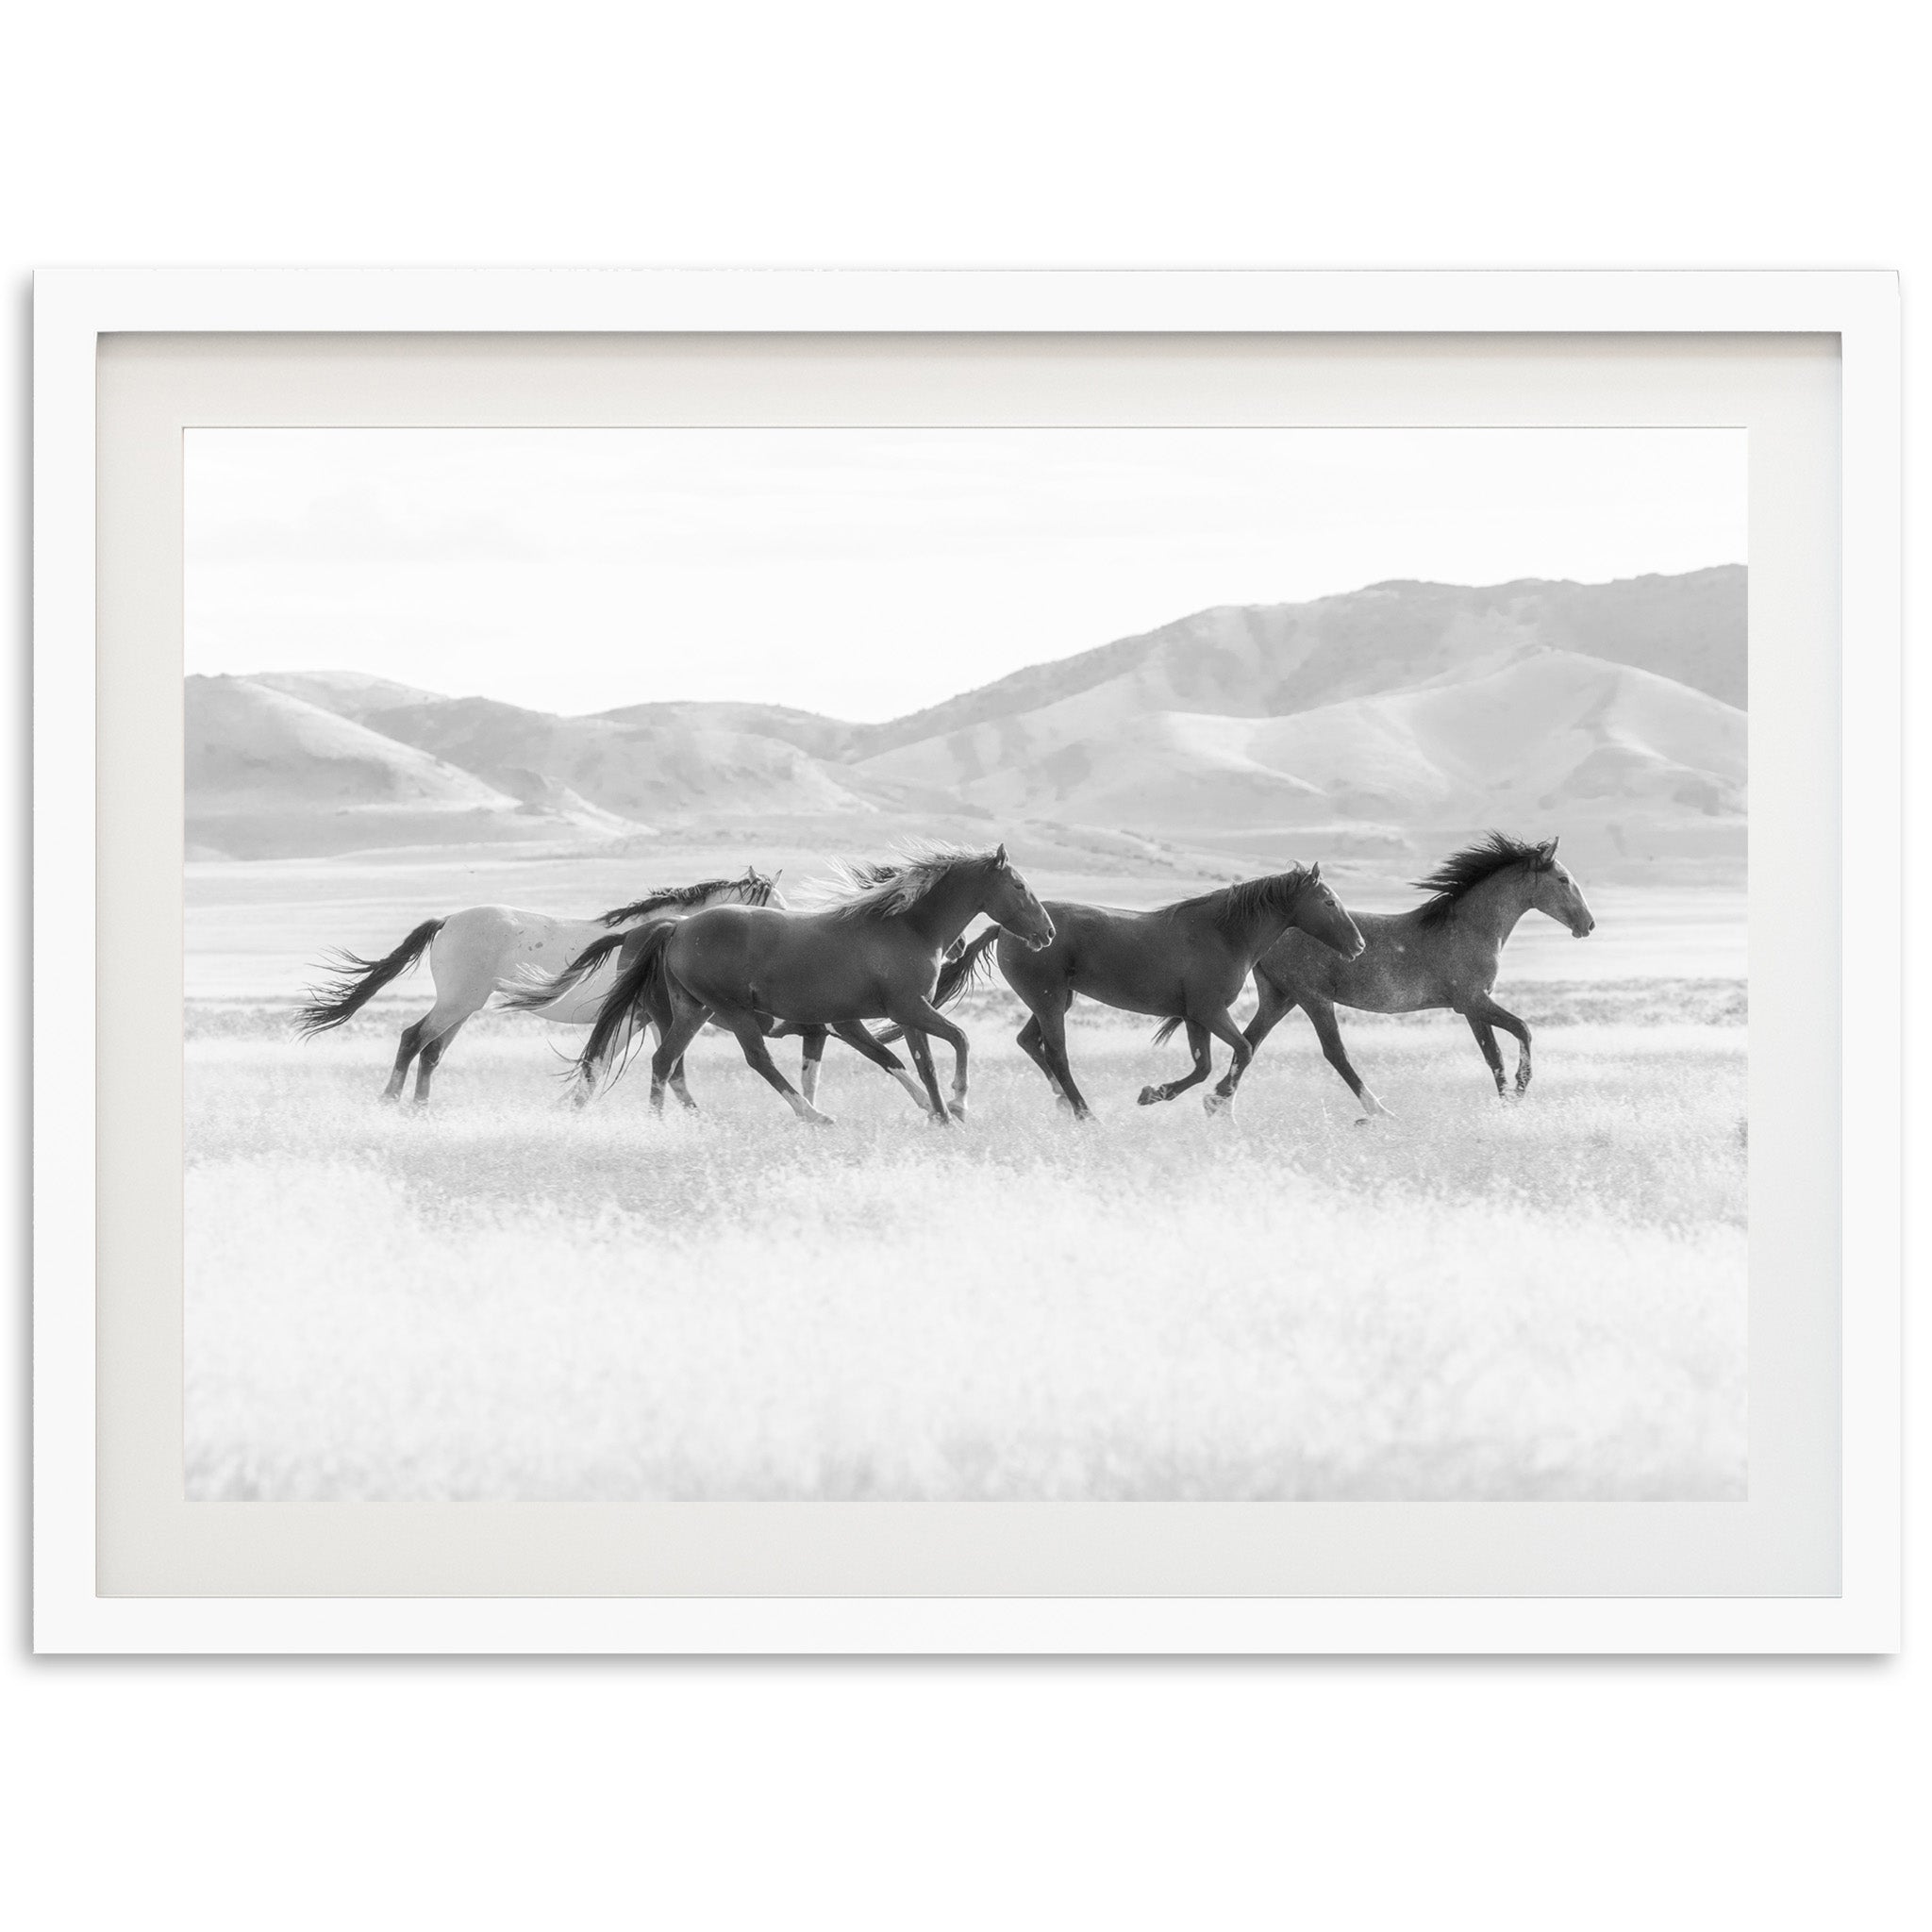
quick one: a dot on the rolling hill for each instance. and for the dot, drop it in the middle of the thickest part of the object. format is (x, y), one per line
(1396, 715)
(1548, 731)
(675, 769)
(270, 775)
(1268, 659)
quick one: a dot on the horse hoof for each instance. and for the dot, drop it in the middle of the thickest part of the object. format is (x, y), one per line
(1218, 1103)
(1151, 1096)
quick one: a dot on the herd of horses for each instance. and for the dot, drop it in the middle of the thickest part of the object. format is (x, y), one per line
(884, 941)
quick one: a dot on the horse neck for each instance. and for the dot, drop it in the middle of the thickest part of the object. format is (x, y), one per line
(942, 914)
(1492, 909)
(1263, 925)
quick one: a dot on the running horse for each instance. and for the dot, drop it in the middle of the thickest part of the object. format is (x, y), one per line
(871, 951)
(1188, 960)
(539, 995)
(1443, 952)
(487, 949)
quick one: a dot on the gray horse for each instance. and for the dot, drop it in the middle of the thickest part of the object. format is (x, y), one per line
(1444, 953)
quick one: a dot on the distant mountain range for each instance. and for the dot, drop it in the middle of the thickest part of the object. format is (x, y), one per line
(1388, 717)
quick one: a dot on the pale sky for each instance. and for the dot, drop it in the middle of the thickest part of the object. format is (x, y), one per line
(865, 573)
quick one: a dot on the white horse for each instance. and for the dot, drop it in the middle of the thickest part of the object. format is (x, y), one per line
(489, 949)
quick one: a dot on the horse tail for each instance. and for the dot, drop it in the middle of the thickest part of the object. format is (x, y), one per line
(537, 994)
(633, 983)
(1166, 1031)
(962, 969)
(358, 981)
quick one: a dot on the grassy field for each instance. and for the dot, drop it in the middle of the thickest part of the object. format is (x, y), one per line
(502, 1298)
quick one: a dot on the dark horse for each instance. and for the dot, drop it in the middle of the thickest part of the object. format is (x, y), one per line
(1188, 960)
(654, 1006)
(872, 953)
(1444, 953)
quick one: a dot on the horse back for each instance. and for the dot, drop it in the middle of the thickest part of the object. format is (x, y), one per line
(1141, 961)
(806, 967)
(1405, 966)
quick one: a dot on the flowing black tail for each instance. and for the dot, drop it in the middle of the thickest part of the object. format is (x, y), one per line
(358, 981)
(539, 993)
(633, 983)
(956, 975)
(1165, 1031)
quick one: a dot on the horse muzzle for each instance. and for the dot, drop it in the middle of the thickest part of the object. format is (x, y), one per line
(1583, 929)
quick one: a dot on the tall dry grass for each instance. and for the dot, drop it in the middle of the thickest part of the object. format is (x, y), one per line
(505, 1299)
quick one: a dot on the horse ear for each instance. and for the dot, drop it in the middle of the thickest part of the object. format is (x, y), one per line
(1315, 870)
(1547, 850)
(999, 858)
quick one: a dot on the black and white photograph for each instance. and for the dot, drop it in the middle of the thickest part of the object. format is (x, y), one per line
(965, 963)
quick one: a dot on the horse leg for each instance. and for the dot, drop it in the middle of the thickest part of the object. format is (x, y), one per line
(855, 1036)
(1321, 1013)
(1223, 1027)
(1204, 1065)
(810, 1056)
(1033, 1045)
(930, 1021)
(678, 1086)
(406, 1048)
(757, 1056)
(1053, 1033)
(1486, 1038)
(1274, 1007)
(431, 1056)
(1497, 1016)
(658, 1014)
(449, 1010)
(920, 1047)
(677, 1031)
(436, 1029)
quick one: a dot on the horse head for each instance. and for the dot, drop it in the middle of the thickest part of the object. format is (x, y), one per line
(755, 888)
(1009, 903)
(1319, 914)
(1556, 893)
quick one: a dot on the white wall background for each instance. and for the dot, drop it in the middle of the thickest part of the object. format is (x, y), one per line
(1532, 1795)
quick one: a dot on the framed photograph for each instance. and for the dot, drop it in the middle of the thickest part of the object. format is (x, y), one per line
(967, 962)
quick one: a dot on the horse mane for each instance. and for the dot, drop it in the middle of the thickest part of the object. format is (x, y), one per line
(661, 896)
(1235, 906)
(877, 888)
(1461, 872)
